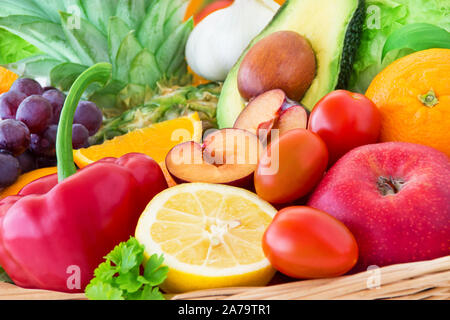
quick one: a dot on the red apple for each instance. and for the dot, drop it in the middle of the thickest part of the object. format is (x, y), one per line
(228, 156)
(395, 198)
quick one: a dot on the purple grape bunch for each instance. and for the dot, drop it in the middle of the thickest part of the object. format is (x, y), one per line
(29, 117)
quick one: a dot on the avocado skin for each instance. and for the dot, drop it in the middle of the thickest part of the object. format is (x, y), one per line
(230, 103)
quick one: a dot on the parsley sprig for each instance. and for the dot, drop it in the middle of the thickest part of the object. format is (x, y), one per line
(120, 276)
(4, 276)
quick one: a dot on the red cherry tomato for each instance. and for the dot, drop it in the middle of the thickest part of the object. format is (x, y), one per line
(345, 120)
(307, 243)
(291, 166)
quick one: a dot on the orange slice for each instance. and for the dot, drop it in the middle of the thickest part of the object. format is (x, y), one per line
(155, 141)
(6, 79)
(25, 179)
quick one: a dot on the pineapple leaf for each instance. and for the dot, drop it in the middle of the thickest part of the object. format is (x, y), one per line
(143, 39)
(132, 12)
(144, 69)
(21, 7)
(128, 50)
(51, 8)
(64, 74)
(106, 98)
(85, 38)
(34, 66)
(175, 15)
(47, 36)
(117, 31)
(150, 34)
(99, 12)
(170, 55)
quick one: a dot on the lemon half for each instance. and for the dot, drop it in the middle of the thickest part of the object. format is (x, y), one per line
(210, 236)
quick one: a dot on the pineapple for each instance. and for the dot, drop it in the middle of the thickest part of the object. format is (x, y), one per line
(144, 40)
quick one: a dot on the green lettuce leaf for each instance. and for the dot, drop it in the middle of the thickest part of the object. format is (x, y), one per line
(13, 48)
(383, 18)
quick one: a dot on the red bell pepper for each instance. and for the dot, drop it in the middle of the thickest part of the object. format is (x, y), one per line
(54, 234)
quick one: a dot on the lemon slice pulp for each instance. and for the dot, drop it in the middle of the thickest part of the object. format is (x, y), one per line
(210, 236)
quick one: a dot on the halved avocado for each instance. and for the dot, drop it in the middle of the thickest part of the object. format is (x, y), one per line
(334, 30)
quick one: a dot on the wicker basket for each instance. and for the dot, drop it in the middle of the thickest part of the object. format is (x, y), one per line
(410, 281)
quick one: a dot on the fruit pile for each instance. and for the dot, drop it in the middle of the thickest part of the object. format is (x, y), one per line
(29, 116)
(294, 174)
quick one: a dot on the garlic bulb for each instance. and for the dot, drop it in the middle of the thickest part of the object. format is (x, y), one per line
(218, 41)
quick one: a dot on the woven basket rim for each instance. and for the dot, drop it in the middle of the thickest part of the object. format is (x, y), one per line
(413, 281)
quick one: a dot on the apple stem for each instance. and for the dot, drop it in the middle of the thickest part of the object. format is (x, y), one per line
(429, 99)
(389, 186)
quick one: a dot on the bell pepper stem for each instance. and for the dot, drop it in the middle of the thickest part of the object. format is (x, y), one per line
(100, 73)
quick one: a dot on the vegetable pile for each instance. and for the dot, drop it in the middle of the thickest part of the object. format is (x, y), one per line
(205, 144)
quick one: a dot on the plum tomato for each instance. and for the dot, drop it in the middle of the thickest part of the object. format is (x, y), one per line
(306, 243)
(291, 166)
(345, 120)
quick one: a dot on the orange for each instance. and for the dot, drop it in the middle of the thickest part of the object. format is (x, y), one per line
(155, 141)
(196, 79)
(6, 79)
(413, 95)
(26, 179)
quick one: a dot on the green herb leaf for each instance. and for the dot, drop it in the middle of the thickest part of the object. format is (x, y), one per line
(98, 290)
(120, 278)
(105, 272)
(417, 37)
(4, 276)
(151, 293)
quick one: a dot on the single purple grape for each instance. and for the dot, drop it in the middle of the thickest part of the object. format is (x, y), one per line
(80, 136)
(9, 169)
(36, 113)
(45, 144)
(14, 136)
(56, 99)
(27, 161)
(89, 115)
(9, 102)
(48, 88)
(28, 86)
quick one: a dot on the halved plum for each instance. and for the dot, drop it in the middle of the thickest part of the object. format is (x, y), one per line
(227, 156)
